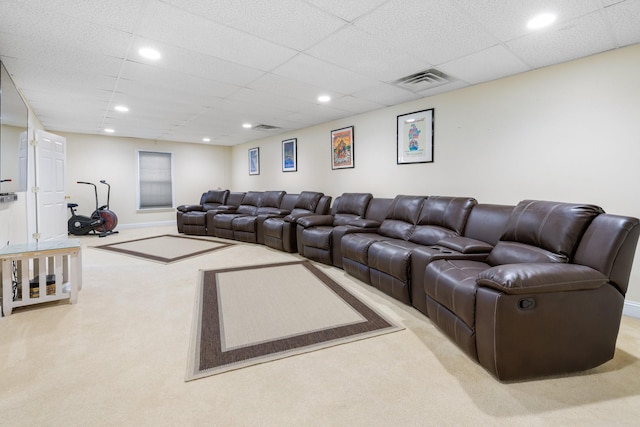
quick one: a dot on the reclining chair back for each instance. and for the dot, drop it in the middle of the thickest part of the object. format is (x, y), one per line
(442, 217)
(543, 231)
(214, 198)
(350, 206)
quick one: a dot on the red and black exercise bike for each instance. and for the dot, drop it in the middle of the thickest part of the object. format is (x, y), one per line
(102, 221)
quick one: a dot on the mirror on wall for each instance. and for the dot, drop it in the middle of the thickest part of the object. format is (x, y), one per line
(14, 123)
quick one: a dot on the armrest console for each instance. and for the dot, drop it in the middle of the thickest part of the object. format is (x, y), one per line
(315, 220)
(364, 223)
(189, 208)
(540, 278)
(465, 245)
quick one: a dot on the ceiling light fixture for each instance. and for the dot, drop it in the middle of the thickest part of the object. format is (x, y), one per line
(109, 130)
(324, 98)
(247, 125)
(121, 108)
(541, 20)
(149, 53)
(205, 139)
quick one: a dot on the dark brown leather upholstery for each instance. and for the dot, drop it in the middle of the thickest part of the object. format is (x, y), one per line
(485, 225)
(548, 299)
(242, 224)
(280, 232)
(315, 233)
(197, 223)
(233, 201)
(383, 259)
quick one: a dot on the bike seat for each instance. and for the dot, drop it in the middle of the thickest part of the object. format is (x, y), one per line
(72, 205)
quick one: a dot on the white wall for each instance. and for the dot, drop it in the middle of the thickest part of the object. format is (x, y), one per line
(197, 168)
(570, 133)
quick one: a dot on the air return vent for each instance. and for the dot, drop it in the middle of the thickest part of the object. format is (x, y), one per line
(423, 80)
(266, 127)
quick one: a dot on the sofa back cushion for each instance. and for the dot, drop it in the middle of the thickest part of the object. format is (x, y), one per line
(441, 217)
(271, 199)
(488, 222)
(235, 198)
(350, 206)
(214, 198)
(553, 226)
(250, 203)
(402, 217)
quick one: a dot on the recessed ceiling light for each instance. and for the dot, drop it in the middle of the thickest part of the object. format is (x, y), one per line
(541, 20)
(324, 98)
(109, 130)
(206, 139)
(121, 108)
(149, 53)
(247, 125)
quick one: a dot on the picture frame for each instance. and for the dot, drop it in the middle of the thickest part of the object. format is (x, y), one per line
(415, 139)
(254, 161)
(342, 148)
(290, 155)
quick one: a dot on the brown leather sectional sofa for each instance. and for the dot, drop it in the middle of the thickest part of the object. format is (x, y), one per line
(527, 291)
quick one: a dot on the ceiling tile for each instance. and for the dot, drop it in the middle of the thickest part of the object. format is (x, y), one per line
(625, 21)
(489, 64)
(347, 10)
(175, 26)
(386, 94)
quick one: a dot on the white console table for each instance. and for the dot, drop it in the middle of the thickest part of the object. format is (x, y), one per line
(43, 272)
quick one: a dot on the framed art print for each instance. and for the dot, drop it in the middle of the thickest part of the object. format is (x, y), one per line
(290, 155)
(254, 161)
(415, 137)
(342, 148)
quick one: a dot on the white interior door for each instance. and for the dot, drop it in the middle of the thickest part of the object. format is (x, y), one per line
(50, 205)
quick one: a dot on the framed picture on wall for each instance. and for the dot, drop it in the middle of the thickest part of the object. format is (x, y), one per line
(415, 137)
(254, 161)
(290, 155)
(342, 148)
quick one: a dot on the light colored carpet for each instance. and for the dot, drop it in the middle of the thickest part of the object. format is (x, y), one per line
(165, 249)
(118, 357)
(250, 315)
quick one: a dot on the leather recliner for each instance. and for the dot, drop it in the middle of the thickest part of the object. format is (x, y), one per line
(191, 219)
(547, 300)
(242, 224)
(233, 201)
(318, 236)
(280, 232)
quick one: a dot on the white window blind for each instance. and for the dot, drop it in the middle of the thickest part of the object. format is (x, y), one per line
(155, 183)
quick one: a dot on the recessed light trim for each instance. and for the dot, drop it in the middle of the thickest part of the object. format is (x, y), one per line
(542, 20)
(121, 108)
(247, 125)
(149, 53)
(109, 130)
(205, 139)
(324, 98)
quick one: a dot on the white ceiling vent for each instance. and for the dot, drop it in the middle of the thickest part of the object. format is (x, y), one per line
(423, 80)
(266, 127)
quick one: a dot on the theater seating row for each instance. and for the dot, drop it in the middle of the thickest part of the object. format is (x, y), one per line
(527, 291)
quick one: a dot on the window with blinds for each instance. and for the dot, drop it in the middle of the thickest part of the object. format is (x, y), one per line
(155, 180)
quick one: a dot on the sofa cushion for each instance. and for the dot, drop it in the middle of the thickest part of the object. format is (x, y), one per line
(446, 212)
(217, 197)
(392, 257)
(353, 203)
(271, 199)
(430, 234)
(245, 223)
(554, 226)
(308, 200)
(402, 217)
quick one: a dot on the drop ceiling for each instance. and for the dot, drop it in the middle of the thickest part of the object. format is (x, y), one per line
(229, 62)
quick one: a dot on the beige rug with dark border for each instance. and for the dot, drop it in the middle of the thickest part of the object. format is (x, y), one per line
(166, 249)
(251, 315)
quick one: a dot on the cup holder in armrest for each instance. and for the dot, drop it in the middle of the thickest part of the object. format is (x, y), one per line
(441, 249)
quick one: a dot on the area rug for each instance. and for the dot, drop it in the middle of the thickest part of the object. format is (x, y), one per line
(166, 249)
(251, 315)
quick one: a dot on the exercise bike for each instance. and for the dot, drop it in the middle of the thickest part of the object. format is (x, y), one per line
(101, 222)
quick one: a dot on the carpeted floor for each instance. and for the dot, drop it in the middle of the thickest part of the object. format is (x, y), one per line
(250, 315)
(165, 249)
(118, 357)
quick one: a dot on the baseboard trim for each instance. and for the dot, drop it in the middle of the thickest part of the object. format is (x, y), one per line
(631, 309)
(147, 224)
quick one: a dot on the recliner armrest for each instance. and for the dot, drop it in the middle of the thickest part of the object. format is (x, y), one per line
(465, 245)
(315, 220)
(364, 223)
(189, 208)
(536, 278)
(293, 217)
